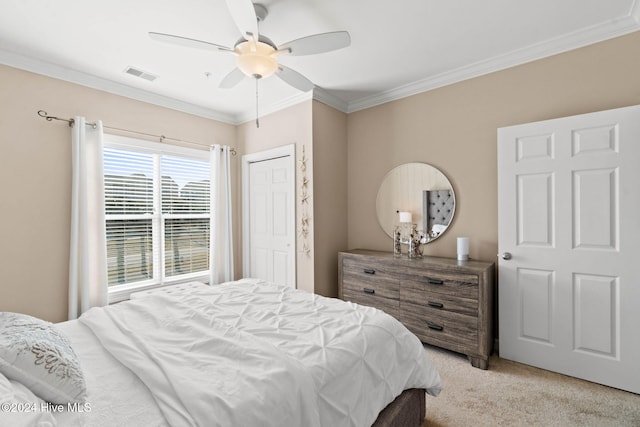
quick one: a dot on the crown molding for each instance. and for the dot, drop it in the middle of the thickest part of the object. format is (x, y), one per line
(73, 76)
(324, 96)
(575, 40)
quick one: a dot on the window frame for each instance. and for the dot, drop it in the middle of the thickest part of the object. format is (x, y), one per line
(117, 293)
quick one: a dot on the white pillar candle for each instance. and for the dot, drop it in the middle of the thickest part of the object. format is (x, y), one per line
(463, 248)
(405, 216)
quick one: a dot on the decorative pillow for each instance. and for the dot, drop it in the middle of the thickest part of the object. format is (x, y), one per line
(36, 354)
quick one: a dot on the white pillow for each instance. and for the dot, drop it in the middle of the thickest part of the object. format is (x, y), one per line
(36, 354)
(6, 392)
(21, 408)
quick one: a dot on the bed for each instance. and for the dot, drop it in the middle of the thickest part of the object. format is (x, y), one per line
(242, 353)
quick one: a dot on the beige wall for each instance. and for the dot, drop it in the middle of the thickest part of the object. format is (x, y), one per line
(454, 129)
(321, 130)
(329, 194)
(35, 171)
(292, 125)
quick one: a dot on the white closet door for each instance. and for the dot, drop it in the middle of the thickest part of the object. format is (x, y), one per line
(569, 217)
(269, 224)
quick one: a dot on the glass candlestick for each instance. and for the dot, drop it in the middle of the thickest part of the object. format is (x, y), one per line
(415, 243)
(397, 241)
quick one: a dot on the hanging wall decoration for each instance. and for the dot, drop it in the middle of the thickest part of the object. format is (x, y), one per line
(305, 198)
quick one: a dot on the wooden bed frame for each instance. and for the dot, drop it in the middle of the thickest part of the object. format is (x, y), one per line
(407, 410)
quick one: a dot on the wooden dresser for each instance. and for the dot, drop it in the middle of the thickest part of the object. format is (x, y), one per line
(445, 302)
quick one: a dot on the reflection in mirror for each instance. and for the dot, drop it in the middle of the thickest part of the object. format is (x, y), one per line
(423, 191)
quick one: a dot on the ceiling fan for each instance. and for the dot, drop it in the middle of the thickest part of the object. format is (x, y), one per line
(257, 56)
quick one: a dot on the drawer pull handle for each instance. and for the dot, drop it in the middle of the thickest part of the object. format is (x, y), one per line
(435, 304)
(434, 326)
(369, 271)
(436, 281)
(369, 291)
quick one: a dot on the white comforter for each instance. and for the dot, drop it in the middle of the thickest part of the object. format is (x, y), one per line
(252, 353)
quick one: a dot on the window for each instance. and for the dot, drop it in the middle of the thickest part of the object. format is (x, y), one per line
(157, 213)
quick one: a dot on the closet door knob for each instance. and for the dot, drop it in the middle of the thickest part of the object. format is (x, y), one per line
(505, 256)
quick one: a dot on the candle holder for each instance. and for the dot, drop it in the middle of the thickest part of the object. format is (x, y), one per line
(415, 243)
(397, 241)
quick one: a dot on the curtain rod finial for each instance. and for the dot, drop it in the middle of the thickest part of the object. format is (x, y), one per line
(49, 118)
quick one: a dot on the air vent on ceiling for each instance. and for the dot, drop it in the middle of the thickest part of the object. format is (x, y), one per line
(139, 73)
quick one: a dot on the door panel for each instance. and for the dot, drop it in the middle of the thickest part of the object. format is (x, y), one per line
(280, 266)
(535, 210)
(536, 301)
(280, 213)
(259, 262)
(596, 314)
(595, 221)
(569, 214)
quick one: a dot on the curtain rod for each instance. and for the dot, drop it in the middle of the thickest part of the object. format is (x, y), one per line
(162, 138)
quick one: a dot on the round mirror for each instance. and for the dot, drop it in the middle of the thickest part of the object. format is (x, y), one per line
(417, 193)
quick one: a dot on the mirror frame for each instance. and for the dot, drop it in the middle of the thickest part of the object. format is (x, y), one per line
(403, 189)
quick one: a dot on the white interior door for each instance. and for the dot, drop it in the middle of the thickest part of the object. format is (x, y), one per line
(569, 216)
(269, 216)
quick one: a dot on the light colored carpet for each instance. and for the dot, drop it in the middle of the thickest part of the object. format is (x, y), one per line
(513, 394)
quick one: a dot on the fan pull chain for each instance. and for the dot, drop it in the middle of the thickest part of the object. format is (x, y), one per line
(257, 115)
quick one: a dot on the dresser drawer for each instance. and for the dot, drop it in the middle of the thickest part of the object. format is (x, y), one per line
(433, 302)
(369, 279)
(415, 281)
(387, 305)
(379, 295)
(451, 330)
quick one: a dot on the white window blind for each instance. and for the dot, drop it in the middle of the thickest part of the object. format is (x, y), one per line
(185, 212)
(157, 214)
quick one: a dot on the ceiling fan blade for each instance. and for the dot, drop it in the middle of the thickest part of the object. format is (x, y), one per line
(317, 43)
(232, 79)
(244, 15)
(185, 41)
(294, 78)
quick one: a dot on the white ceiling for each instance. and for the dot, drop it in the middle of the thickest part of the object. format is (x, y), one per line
(414, 46)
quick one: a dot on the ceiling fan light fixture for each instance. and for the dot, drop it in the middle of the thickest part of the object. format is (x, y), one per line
(256, 55)
(257, 61)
